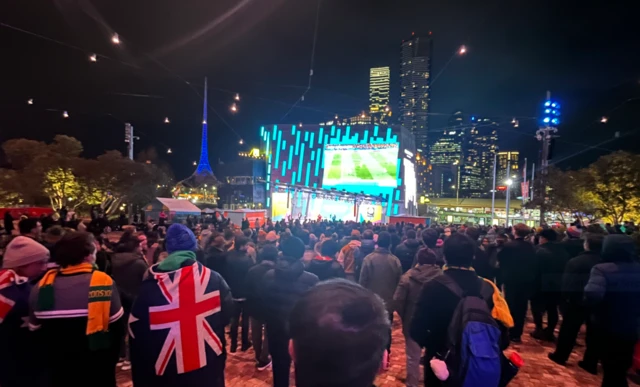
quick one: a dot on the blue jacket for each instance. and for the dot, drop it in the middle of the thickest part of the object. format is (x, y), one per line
(613, 289)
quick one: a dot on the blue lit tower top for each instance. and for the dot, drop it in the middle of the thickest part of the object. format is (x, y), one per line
(203, 165)
(551, 113)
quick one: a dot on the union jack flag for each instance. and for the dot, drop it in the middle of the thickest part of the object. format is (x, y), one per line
(8, 278)
(185, 317)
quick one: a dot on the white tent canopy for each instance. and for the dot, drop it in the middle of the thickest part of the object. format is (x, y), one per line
(179, 206)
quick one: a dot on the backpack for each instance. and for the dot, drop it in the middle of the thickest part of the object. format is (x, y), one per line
(473, 354)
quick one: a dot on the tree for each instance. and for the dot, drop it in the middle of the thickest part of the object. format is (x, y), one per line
(9, 192)
(614, 185)
(567, 191)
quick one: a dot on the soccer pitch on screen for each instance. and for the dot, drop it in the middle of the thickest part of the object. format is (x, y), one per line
(360, 167)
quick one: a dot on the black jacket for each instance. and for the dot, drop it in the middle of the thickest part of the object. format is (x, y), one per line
(395, 242)
(406, 253)
(576, 276)
(482, 264)
(279, 291)
(216, 260)
(518, 265)
(552, 259)
(252, 282)
(436, 306)
(325, 268)
(573, 246)
(238, 265)
(367, 246)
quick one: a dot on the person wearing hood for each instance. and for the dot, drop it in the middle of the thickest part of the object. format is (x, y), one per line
(552, 260)
(279, 291)
(128, 267)
(177, 322)
(613, 291)
(432, 242)
(325, 265)
(405, 300)
(407, 251)
(24, 260)
(350, 254)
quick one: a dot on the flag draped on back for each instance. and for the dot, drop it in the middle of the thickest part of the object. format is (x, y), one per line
(176, 327)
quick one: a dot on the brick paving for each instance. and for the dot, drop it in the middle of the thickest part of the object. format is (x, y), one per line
(537, 371)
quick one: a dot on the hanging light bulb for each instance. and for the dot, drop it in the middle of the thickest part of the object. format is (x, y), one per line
(166, 120)
(604, 120)
(241, 141)
(516, 124)
(65, 114)
(169, 151)
(237, 97)
(513, 120)
(204, 122)
(93, 58)
(363, 115)
(194, 163)
(336, 117)
(462, 50)
(300, 125)
(30, 101)
(115, 39)
(234, 108)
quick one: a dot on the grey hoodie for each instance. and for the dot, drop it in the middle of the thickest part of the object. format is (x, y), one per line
(127, 271)
(408, 291)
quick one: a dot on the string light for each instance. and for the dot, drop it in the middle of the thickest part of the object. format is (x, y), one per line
(241, 141)
(115, 39)
(65, 114)
(513, 120)
(169, 151)
(93, 58)
(204, 122)
(363, 115)
(336, 117)
(462, 50)
(30, 101)
(300, 125)
(237, 97)
(166, 121)
(604, 120)
(234, 108)
(194, 163)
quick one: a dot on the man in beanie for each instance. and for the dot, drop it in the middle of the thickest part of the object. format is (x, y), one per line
(350, 255)
(177, 323)
(24, 259)
(279, 291)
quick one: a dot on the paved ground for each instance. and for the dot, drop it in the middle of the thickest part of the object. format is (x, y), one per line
(537, 371)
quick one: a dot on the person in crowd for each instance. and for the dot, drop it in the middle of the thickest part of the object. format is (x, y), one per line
(279, 290)
(103, 256)
(395, 239)
(229, 237)
(267, 261)
(481, 263)
(574, 279)
(613, 292)
(573, 242)
(216, 255)
(447, 232)
(24, 260)
(31, 228)
(51, 237)
(518, 272)
(78, 314)
(338, 336)
(407, 251)
(251, 247)
(381, 272)
(238, 264)
(367, 245)
(8, 223)
(430, 238)
(437, 301)
(350, 255)
(128, 267)
(552, 259)
(177, 322)
(405, 300)
(325, 265)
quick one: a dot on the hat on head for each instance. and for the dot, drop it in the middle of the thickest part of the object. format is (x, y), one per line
(573, 232)
(355, 233)
(23, 251)
(272, 236)
(180, 238)
(292, 247)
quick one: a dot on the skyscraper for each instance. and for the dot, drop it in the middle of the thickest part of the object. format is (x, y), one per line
(378, 89)
(480, 144)
(415, 75)
(503, 163)
(445, 158)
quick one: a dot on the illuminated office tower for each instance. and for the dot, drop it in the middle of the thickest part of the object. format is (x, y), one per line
(445, 158)
(415, 76)
(480, 145)
(503, 162)
(379, 89)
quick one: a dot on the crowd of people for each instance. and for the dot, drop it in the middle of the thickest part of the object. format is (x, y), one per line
(321, 295)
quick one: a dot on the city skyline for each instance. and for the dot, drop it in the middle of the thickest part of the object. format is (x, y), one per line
(157, 70)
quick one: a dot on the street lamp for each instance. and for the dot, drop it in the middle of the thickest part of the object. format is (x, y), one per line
(508, 183)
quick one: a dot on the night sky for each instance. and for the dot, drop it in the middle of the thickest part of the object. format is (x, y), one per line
(588, 55)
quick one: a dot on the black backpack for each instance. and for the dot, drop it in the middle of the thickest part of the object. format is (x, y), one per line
(473, 354)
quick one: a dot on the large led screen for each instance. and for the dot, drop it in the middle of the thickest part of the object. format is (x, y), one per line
(360, 167)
